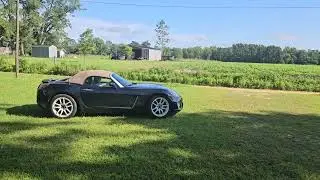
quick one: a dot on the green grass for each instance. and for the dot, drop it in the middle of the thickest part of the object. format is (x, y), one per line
(194, 72)
(221, 134)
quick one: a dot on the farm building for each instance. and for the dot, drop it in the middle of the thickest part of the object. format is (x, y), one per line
(147, 53)
(61, 53)
(44, 51)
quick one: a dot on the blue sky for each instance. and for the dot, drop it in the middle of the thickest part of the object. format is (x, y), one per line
(191, 27)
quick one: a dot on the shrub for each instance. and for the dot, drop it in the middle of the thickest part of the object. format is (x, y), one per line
(260, 76)
(5, 65)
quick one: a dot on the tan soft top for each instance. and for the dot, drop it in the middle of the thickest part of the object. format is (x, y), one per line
(81, 76)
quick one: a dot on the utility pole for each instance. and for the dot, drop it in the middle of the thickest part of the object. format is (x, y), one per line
(17, 39)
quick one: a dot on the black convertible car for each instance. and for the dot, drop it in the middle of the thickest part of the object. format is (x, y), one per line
(102, 91)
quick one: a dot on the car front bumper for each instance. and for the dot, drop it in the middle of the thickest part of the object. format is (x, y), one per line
(42, 99)
(178, 106)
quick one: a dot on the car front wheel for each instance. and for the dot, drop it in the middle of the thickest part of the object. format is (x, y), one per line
(63, 106)
(159, 107)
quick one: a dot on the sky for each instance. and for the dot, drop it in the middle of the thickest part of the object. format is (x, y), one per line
(203, 26)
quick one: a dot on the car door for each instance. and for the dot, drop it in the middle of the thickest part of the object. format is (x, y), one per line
(100, 92)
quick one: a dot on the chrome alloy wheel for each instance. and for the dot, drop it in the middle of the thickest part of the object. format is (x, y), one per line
(160, 107)
(62, 107)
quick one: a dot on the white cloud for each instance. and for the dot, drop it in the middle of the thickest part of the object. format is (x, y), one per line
(120, 32)
(108, 30)
(189, 37)
(189, 40)
(286, 37)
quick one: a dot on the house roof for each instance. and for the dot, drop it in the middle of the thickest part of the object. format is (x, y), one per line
(81, 76)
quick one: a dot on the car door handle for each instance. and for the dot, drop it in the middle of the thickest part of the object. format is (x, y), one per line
(88, 90)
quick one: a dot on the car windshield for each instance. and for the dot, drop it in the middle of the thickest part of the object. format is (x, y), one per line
(121, 80)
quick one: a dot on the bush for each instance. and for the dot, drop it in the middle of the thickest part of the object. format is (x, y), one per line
(5, 65)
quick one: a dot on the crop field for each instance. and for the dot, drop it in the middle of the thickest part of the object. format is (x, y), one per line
(222, 133)
(193, 72)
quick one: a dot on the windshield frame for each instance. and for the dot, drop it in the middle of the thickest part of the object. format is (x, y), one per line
(120, 81)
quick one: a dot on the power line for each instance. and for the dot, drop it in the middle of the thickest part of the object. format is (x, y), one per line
(200, 7)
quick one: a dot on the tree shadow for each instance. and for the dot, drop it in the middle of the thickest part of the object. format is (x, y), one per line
(207, 145)
(237, 145)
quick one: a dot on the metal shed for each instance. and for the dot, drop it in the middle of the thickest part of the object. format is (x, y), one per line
(147, 53)
(44, 51)
(61, 53)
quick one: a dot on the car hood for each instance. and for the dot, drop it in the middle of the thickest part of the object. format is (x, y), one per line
(151, 86)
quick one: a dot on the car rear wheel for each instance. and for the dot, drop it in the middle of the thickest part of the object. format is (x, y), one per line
(159, 107)
(63, 106)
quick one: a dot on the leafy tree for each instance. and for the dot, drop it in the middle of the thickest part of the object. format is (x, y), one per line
(206, 53)
(250, 53)
(100, 47)
(177, 53)
(162, 34)
(185, 53)
(166, 52)
(115, 49)
(42, 21)
(70, 46)
(146, 44)
(7, 22)
(313, 57)
(6, 31)
(197, 52)
(108, 48)
(54, 17)
(134, 44)
(289, 55)
(86, 43)
(125, 50)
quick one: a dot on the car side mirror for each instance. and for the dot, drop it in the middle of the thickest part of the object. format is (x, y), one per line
(112, 84)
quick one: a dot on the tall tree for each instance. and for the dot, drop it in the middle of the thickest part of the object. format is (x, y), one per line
(54, 15)
(108, 46)
(146, 44)
(70, 46)
(177, 53)
(86, 43)
(100, 48)
(134, 44)
(7, 22)
(41, 21)
(125, 50)
(162, 34)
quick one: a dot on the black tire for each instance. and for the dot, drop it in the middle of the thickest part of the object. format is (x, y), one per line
(70, 100)
(149, 107)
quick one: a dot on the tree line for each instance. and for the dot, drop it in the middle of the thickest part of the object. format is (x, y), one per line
(252, 53)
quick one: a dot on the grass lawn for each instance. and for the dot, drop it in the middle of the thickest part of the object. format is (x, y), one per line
(221, 134)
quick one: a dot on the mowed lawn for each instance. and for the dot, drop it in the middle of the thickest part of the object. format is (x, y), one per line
(221, 134)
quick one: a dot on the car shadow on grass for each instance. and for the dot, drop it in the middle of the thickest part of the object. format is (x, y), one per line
(206, 145)
(31, 110)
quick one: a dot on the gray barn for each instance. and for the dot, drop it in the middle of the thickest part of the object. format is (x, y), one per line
(147, 53)
(44, 51)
